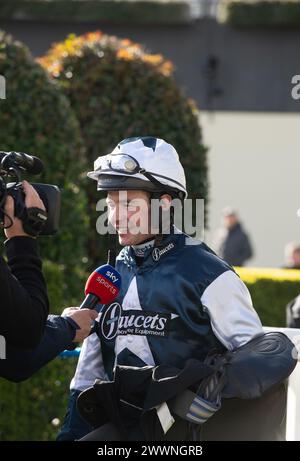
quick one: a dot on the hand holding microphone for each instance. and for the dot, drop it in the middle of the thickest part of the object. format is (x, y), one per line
(82, 320)
(102, 287)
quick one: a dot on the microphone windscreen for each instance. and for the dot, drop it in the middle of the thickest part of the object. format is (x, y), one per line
(105, 283)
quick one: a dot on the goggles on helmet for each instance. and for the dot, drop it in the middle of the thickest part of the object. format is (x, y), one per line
(127, 165)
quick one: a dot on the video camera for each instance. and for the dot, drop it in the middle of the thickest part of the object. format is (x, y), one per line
(35, 221)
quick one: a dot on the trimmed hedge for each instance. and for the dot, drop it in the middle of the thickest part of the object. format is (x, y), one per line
(34, 409)
(263, 14)
(36, 118)
(112, 11)
(271, 290)
(118, 90)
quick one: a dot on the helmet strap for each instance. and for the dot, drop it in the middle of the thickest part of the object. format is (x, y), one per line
(160, 236)
(112, 246)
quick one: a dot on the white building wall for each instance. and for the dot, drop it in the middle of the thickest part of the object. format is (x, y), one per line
(254, 166)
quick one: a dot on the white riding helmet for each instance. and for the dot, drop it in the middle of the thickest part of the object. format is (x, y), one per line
(142, 163)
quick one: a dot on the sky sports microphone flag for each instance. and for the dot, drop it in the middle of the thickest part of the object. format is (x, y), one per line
(103, 286)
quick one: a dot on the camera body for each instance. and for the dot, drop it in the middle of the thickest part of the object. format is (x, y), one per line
(35, 221)
(50, 196)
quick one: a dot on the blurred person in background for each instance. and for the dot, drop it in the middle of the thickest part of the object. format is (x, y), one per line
(292, 256)
(232, 242)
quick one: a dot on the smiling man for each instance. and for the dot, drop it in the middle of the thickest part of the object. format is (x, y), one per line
(178, 301)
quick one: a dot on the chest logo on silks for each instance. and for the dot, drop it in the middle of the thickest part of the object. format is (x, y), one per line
(109, 322)
(115, 322)
(157, 253)
(144, 323)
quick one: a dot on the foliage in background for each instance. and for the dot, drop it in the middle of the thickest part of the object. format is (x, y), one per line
(118, 90)
(237, 13)
(112, 11)
(34, 409)
(36, 118)
(271, 290)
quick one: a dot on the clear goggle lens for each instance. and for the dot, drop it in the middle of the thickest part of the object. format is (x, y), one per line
(121, 163)
(124, 163)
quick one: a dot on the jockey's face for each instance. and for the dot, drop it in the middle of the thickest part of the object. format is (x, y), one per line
(129, 214)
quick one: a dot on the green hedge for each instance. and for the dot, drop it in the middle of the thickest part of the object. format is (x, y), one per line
(36, 118)
(113, 11)
(271, 290)
(263, 13)
(34, 409)
(118, 90)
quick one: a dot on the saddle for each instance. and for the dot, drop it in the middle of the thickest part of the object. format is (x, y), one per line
(139, 400)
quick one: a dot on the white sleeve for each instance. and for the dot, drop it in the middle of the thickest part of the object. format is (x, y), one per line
(90, 365)
(229, 306)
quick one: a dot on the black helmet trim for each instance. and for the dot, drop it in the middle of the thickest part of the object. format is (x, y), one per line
(119, 182)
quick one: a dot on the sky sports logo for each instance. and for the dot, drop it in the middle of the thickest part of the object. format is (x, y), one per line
(112, 276)
(296, 87)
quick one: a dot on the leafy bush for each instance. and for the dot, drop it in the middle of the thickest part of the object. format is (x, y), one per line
(36, 118)
(113, 11)
(271, 290)
(34, 409)
(118, 90)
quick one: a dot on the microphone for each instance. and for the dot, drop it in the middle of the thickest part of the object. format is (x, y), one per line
(19, 159)
(103, 286)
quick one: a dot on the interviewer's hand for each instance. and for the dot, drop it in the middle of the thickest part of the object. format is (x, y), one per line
(32, 199)
(84, 319)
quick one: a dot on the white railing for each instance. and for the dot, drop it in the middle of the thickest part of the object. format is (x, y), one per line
(293, 397)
